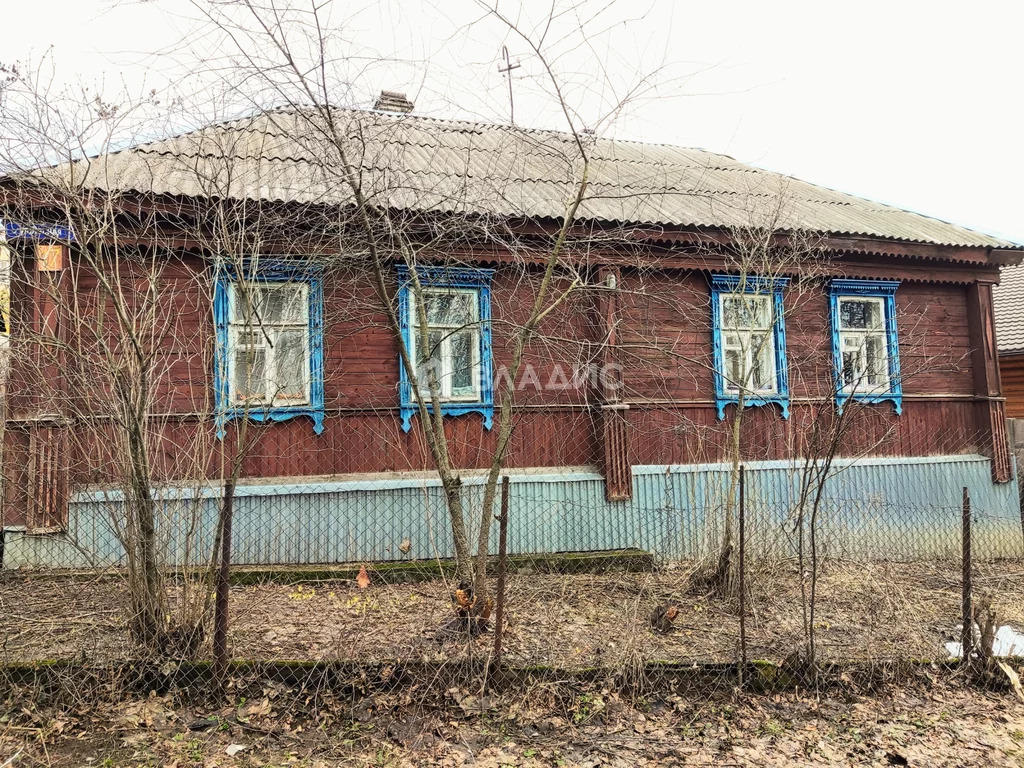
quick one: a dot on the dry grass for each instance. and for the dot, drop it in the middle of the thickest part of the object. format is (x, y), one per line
(865, 612)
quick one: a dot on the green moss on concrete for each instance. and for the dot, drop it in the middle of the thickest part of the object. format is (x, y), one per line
(427, 570)
(634, 560)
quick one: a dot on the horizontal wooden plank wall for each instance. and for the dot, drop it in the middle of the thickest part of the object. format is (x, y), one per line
(663, 343)
(1011, 369)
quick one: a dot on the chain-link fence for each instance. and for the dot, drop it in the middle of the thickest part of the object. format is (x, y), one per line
(767, 589)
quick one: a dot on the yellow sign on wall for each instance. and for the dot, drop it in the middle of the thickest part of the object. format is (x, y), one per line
(5, 290)
(49, 257)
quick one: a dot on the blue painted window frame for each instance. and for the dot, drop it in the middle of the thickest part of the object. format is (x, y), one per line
(270, 271)
(477, 279)
(725, 284)
(877, 289)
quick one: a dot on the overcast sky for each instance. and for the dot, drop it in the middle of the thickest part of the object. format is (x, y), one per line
(912, 103)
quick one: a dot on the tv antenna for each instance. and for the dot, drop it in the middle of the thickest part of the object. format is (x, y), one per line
(507, 70)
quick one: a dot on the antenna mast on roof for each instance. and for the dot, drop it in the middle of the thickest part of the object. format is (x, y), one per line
(507, 70)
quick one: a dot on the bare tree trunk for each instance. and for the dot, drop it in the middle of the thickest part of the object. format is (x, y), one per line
(150, 610)
(221, 605)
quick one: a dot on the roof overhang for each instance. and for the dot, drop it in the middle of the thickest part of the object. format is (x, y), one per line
(1006, 257)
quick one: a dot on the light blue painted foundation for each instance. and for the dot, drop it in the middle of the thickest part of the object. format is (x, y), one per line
(874, 509)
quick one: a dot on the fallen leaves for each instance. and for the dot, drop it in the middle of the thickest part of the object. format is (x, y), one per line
(363, 579)
(571, 622)
(1013, 677)
(255, 710)
(151, 712)
(932, 726)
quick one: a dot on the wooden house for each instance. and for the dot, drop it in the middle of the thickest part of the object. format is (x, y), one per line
(1009, 311)
(623, 423)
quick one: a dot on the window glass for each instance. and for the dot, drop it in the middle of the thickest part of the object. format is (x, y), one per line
(744, 311)
(860, 315)
(450, 307)
(430, 357)
(270, 355)
(453, 336)
(462, 363)
(863, 345)
(874, 348)
(764, 375)
(748, 343)
(250, 367)
(291, 365)
(733, 365)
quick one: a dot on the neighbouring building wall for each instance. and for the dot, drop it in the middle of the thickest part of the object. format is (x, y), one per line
(1011, 370)
(1015, 430)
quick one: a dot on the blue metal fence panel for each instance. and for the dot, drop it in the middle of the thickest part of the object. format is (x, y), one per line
(875, 508)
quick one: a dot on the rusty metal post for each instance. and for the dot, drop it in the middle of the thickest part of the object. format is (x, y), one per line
(967, 636)
(742, 576)
(499, 606)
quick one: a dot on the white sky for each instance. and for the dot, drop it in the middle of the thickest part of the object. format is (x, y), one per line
(912, 103)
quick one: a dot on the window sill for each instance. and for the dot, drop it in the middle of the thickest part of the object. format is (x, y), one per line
(752, 401)
(896, 398)
(264, 415)
(453, 408)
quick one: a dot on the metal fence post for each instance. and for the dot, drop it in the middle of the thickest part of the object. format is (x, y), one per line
(742, 576)
(967, 636)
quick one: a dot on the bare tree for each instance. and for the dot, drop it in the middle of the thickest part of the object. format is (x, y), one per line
(289, 54)
(117, 309)
(765, 253)
(835, 434)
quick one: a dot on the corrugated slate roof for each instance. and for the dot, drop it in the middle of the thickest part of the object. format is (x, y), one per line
(1009, 308)
(426, 164)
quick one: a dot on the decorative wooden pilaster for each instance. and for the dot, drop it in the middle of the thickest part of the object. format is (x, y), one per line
(613, 413)
(48, 479)
(990, 407)
(48, 458)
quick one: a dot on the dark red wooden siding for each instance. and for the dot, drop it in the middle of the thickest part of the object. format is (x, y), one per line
(664, 344)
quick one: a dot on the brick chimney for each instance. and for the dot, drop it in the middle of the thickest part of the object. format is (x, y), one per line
(393, 101)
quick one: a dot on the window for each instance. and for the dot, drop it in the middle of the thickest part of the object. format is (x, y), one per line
(864, 341)
(749, 342)
(864, 363)
(269, 363)
(457, 336)
(269, 344)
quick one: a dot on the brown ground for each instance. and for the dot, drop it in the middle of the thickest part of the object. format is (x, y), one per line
(878, 611)
(931, 726)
